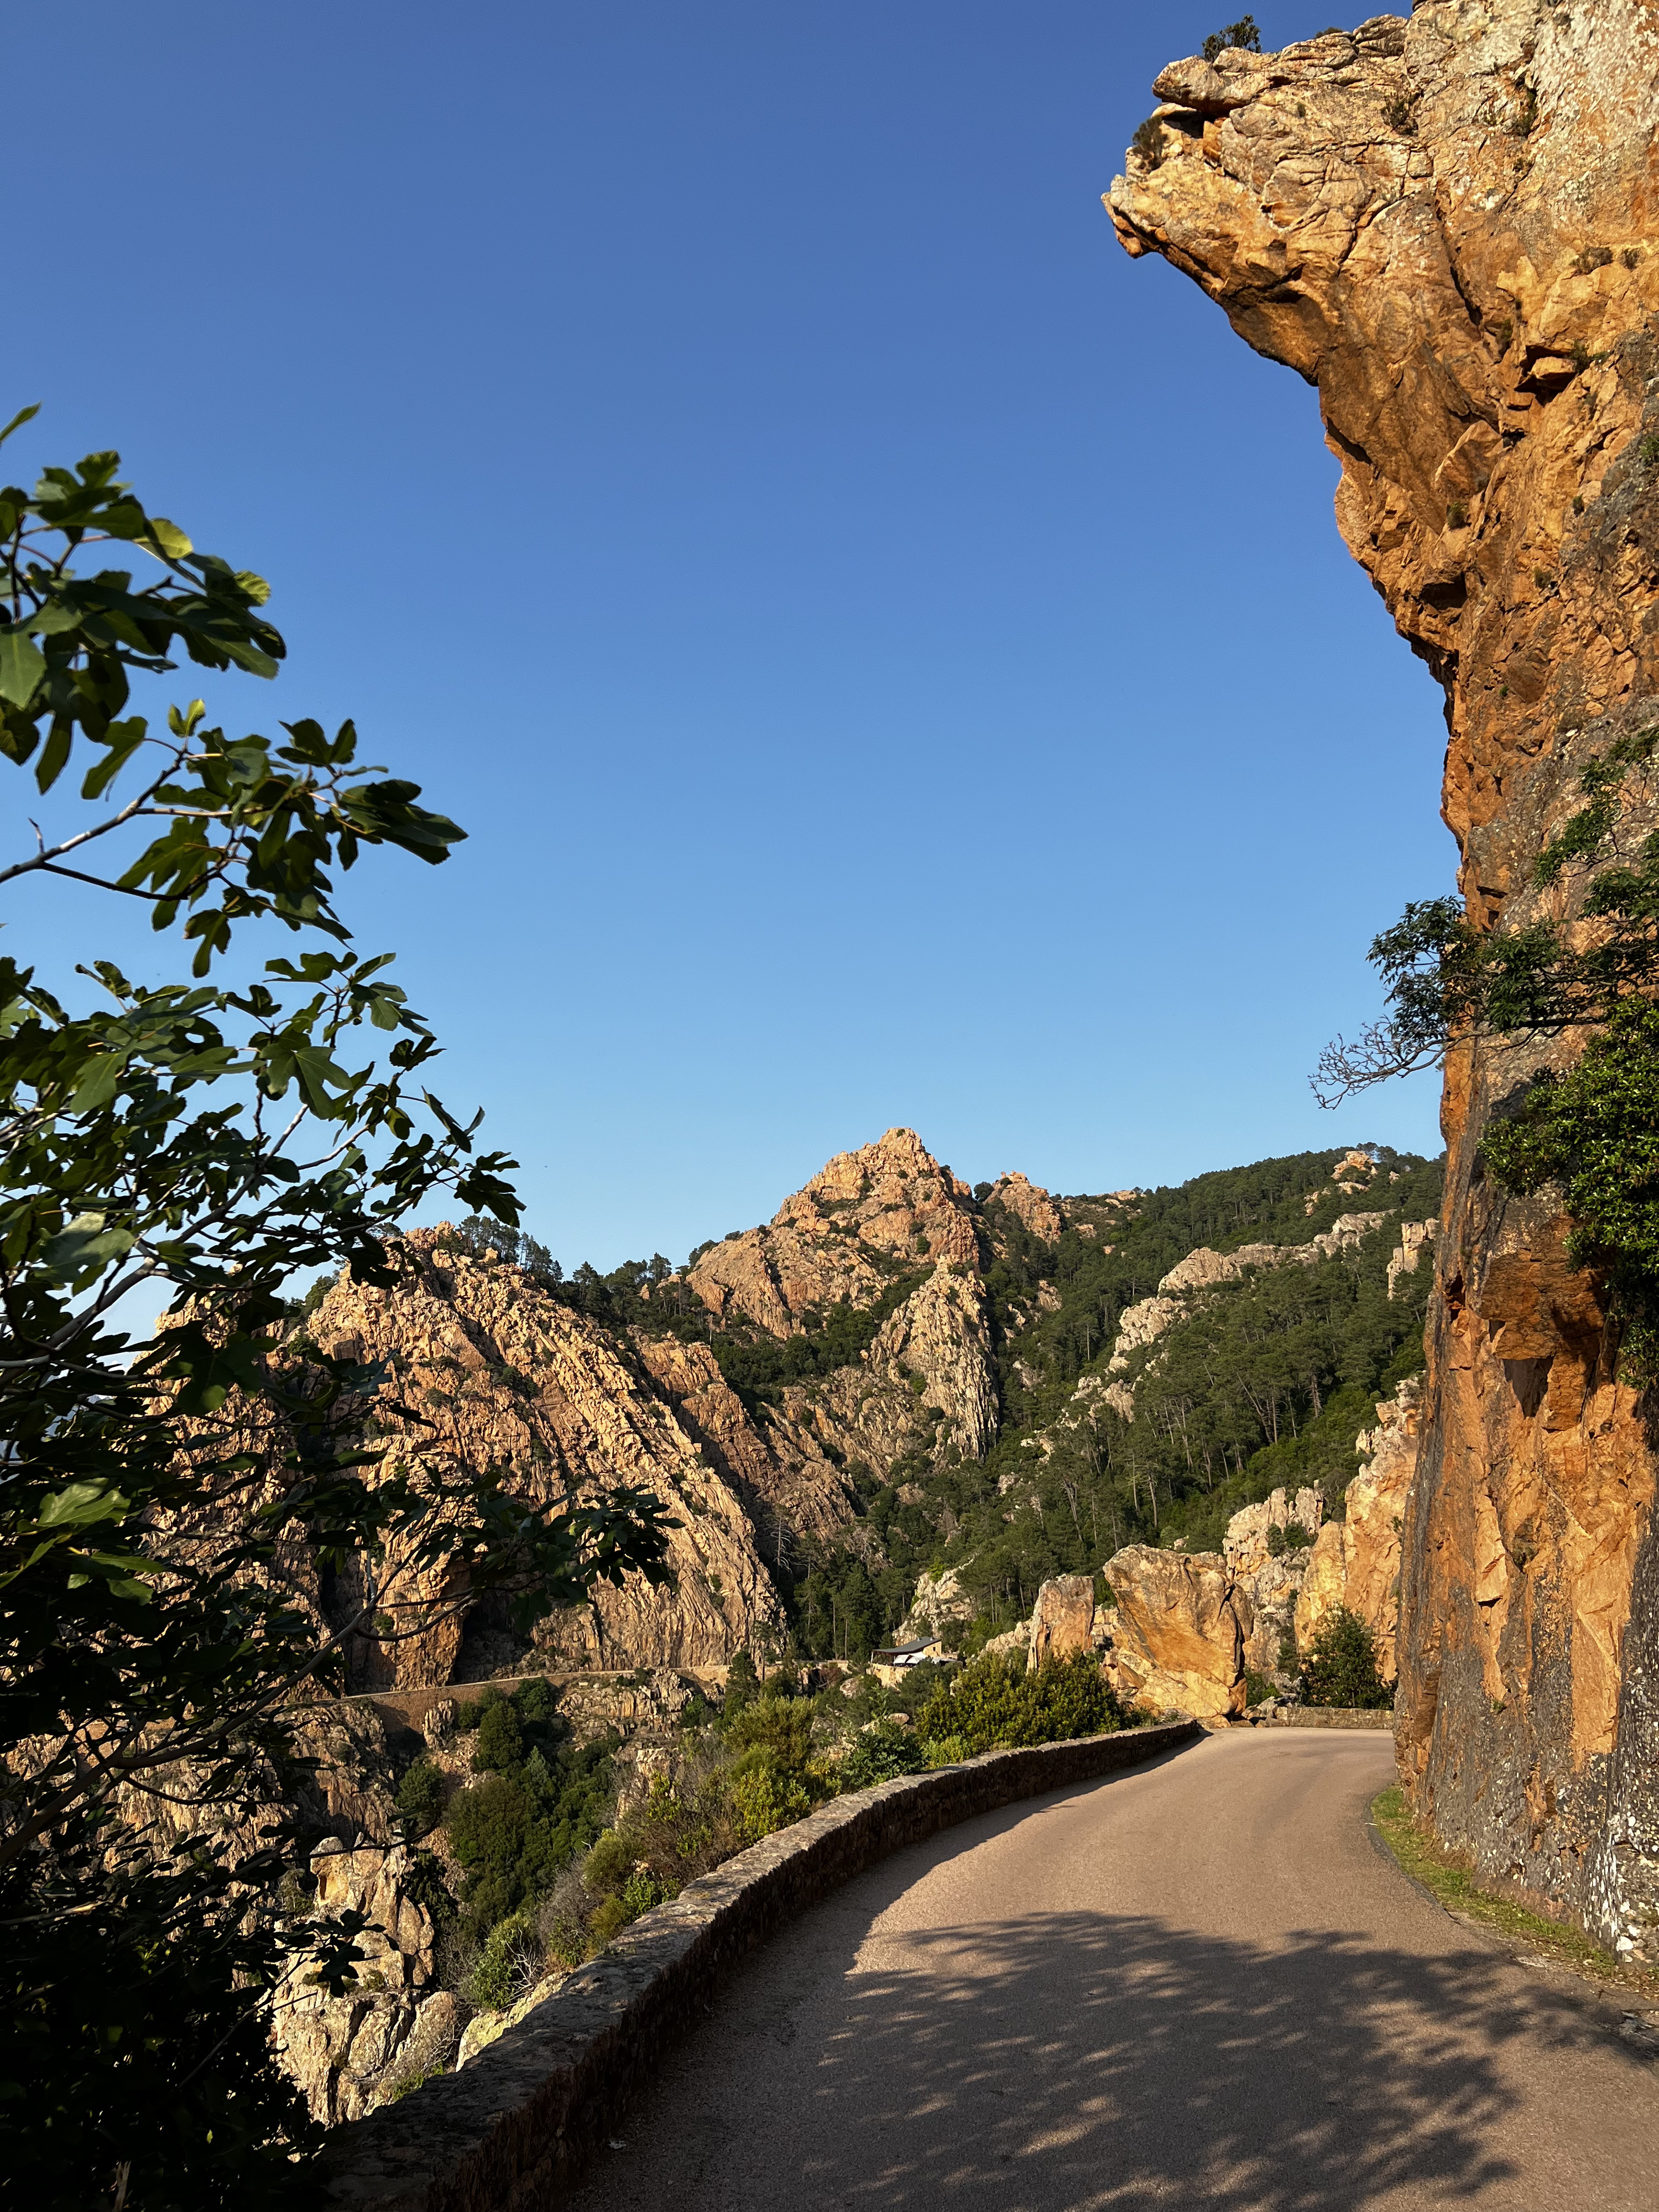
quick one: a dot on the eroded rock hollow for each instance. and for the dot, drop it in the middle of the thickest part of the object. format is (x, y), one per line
(1447, 225)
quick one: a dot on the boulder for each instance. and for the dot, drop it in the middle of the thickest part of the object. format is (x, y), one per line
(1177, 1643)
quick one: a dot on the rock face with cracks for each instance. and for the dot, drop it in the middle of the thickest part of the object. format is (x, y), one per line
(1062, 1621)
(1175, 1641)
(1356, 1561)
(501, 1374)
(1447, 225)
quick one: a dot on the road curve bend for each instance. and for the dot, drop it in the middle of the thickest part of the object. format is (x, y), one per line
(1201, 1983)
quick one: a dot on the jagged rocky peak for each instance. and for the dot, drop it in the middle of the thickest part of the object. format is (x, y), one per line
(1444, 223)
(866, 1217)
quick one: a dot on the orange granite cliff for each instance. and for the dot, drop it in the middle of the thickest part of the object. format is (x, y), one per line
(1447, 225)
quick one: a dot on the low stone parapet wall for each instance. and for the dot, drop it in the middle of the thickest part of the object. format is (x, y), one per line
(511, 2129)
(1343, 1716)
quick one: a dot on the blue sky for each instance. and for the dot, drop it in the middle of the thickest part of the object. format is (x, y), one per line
(893, 654)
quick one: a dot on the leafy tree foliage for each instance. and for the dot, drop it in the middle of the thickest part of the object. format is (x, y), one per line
(421, 1798)
(200, 1141)
(1594, 1131)
(1339, 1666)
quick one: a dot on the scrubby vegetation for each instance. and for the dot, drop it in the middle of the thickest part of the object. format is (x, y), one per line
(552, 1870)
(994, 1701)
(1242, 34)
(1590, 1132)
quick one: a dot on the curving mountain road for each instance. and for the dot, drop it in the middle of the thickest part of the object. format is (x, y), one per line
(1200, 1983)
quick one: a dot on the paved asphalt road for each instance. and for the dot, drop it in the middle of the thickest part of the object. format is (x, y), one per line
(1200, 1983)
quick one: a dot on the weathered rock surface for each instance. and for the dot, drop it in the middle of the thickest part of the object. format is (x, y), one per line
(867, 1216)
(1202, 1269)
(1176, 1642)
(1030, 1203)
(1062, 1621)
(1446, 224)
(1416, 1238)
(1356, 1561)
(1268, 1583)
(777, 1466)
(512, 1379)
(348, 2054)
(939, 1605)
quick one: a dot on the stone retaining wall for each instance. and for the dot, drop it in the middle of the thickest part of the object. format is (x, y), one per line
(1346, 1716)
(510, 2130)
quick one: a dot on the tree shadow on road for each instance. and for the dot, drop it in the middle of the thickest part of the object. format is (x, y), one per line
(1077, 2060)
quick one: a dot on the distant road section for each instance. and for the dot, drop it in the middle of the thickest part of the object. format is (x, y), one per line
(1200, 1983)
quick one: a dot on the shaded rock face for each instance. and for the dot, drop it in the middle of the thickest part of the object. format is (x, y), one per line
(1446, 224)
(1176, 1643)
(777, 1467)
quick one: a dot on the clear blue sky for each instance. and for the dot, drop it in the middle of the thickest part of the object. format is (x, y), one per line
(894, 655)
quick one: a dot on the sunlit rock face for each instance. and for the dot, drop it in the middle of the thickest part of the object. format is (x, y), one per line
(1447, 224)
(483, 1369)
(1173, 1639)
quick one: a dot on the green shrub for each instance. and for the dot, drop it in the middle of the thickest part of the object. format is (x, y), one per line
(783, 1727)
(765, 1799)
(742, 1687)
(1242, 34)
(1148, 142)
(994, 1702)
(609, 1920)
(1340, 1667)
(880, 1754)
(1257, 1687)
(1293, 1537)
(421, 1799)
(508, 1965)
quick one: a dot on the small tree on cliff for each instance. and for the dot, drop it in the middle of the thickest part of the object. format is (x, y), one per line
(1243, 35)
(203, 1142)
(1594, 1131)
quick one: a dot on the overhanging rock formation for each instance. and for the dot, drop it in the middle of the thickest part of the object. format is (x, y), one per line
(1448, 224)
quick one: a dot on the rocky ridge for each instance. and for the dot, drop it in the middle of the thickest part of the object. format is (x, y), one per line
(1445, 224)
(488, 1365)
